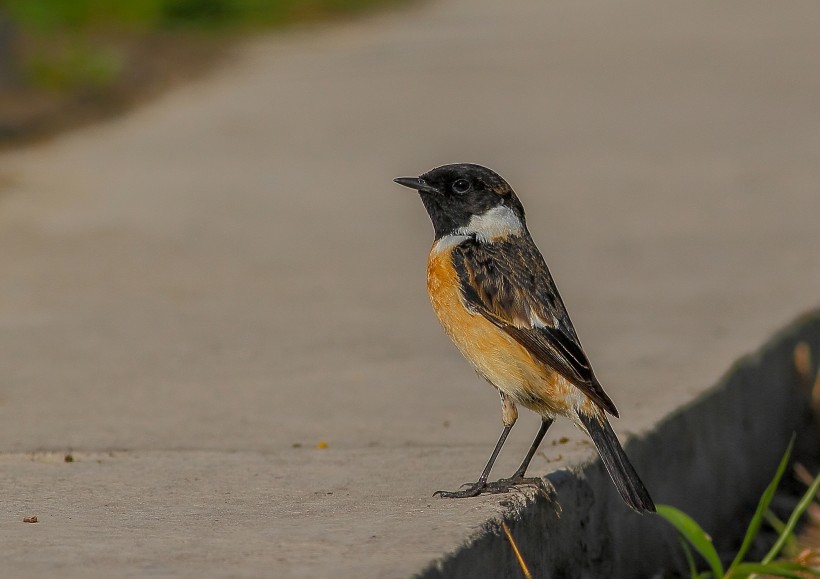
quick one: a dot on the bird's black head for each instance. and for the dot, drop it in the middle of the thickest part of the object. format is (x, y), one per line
(468, 199)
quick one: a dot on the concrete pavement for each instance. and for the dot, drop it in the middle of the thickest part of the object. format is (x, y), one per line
(197, 295)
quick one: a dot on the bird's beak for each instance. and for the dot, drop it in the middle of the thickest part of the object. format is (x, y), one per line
(416, 183)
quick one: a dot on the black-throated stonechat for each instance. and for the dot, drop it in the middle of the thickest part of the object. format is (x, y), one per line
(493, 293)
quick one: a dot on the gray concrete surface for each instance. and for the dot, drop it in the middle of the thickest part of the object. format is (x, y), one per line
(196, 295)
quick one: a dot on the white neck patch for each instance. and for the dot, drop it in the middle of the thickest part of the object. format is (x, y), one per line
(496, 223)
(448, 242)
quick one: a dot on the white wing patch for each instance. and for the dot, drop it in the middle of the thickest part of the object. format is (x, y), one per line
(537, 322)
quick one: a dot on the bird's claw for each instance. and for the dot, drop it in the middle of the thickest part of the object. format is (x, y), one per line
(472, 490)
(503, 485)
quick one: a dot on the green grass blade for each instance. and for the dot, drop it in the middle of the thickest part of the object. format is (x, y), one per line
(775, 523)
(795, 567)
(762, 507)
(696, 536)
(775, 569)
(791, 547)
(690, 559)
(795, 516)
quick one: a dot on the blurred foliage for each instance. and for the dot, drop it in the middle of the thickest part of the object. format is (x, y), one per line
(85, 15)
(67, 62)
(83, 45)
(76, 67)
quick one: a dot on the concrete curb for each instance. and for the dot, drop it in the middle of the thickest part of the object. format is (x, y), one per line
(711, 458)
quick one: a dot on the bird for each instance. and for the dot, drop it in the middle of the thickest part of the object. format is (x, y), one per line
(493, 293)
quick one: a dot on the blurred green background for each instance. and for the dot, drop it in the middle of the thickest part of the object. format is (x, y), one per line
(78, 15)
(65, 61)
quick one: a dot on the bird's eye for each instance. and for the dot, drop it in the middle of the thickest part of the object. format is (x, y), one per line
(461, 186)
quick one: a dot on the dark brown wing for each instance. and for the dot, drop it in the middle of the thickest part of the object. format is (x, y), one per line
(508, 282)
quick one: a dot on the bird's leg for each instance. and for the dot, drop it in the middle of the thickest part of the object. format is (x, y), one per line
(504, 484)
(476, 488)
(509, 414)
(545, 425)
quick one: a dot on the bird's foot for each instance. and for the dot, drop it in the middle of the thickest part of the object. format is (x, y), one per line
(503, 485)
(506, 485)
(472, 490)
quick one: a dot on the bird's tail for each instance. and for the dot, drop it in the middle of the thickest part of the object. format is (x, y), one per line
(617, 464)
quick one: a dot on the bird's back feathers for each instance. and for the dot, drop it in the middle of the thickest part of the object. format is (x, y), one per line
(508, 282)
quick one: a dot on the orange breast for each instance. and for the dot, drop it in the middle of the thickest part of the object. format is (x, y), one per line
(495, 355)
